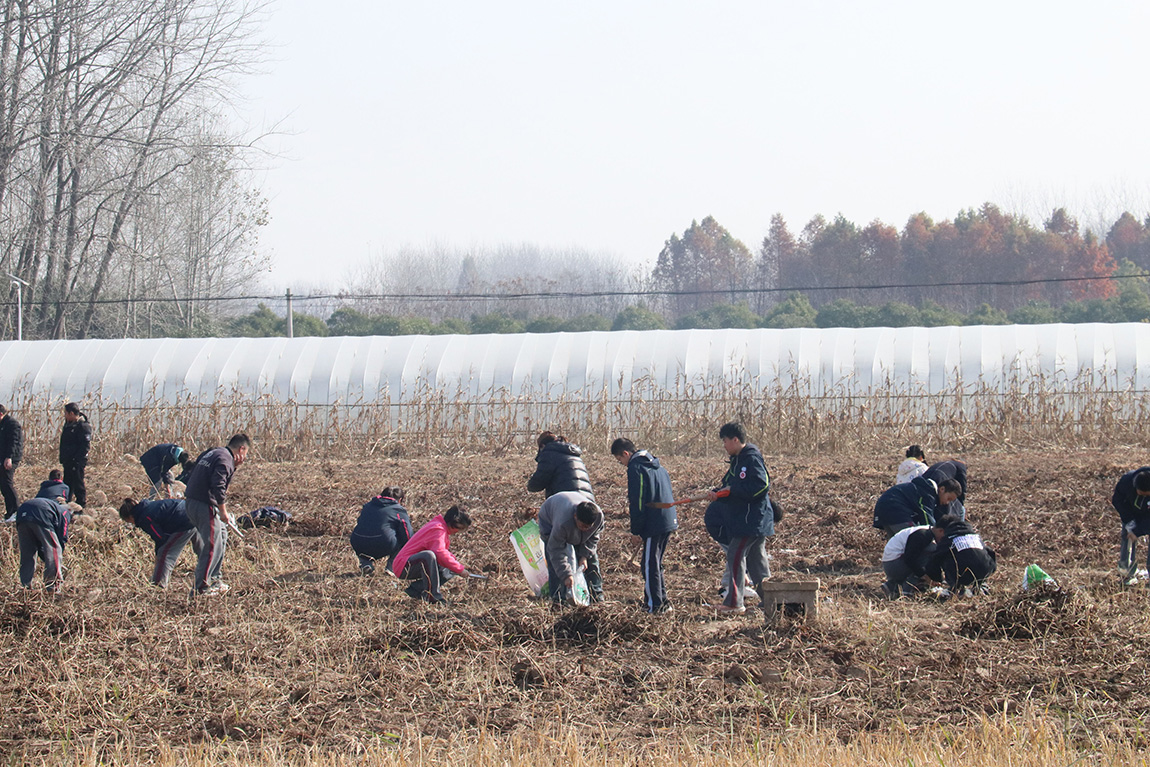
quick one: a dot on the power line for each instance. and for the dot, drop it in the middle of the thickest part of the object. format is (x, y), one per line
(454, 296)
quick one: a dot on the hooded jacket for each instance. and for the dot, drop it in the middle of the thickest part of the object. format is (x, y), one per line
(962, 557)
(433, 537)
(648, 482)
(559, 469)
(747, 512)
(911, 503)
(46, 513)
(1130, 506)
(384, 518)
(558, 530)
(75, 441)
(161, 519)
(159, 461)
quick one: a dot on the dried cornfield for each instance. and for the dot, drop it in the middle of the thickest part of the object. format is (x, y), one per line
(1028, 412)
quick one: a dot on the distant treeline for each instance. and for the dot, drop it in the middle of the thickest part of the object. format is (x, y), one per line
(984, 267)
(1131, 305)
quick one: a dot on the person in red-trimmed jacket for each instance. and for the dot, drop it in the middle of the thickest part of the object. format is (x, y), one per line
(425, 560)
(42, 529)
(166, 523)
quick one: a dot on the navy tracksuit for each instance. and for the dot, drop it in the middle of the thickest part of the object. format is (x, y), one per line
(381, 531)
(742, 522)
(42, 530)
(906, 505)
(648, 482)
(166, 523)
(1134, 511)
(53, 488)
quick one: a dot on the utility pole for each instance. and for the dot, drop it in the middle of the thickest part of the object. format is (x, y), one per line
(290, 332)
(20, 285)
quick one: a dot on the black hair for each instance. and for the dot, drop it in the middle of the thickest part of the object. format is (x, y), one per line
(1142, 481)
(238, 441)
(55, 474)
(588, 513)
(622, 445)
(457, 517)
(186, 459)
(950, 486)
(945, 521)
(3, 410)
(914, 451)
(74, 409)
(733, 429)
(128, 510)
(391, 491)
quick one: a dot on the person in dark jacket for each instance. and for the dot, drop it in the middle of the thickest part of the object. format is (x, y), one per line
(158, 463)
(11, 451)
(962, 559)
(207, 508)
(570, 527)
(1131, 500)
(559, 468)
(951, 469)
(166, 523)
(53, 487)
(917, 502)
(741, 513)
(75, 441)
(905, 560)
(648, 483)
(382, 529)
(42, 529)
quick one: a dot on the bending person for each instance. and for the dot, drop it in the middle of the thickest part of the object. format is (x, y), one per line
(166, 523)
(158, 463)
(570, 520)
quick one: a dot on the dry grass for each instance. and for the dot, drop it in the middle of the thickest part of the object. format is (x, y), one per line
(305, 660)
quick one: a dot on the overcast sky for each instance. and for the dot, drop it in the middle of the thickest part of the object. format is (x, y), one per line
(610, 126)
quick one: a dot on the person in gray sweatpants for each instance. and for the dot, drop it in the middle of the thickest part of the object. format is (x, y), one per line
(166, 523)
(206, 507)
(42, 530)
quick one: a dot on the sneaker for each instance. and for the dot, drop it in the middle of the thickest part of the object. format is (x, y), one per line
(366, 569)
(663, 609)
(729, 610)
(1131, 581)
(9, 520)
(889, 593)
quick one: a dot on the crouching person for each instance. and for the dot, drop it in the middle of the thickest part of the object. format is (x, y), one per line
(569, 519)
(425, 559)
(42, 529)
(383, 528)
(905, 559)
(166, 523)
(962, 559)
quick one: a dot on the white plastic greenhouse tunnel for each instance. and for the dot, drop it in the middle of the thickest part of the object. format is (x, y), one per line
(326, 376)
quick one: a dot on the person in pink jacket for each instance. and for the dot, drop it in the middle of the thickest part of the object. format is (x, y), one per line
(425, 560)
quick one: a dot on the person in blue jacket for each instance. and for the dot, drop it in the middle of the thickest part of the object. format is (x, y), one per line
(918, 502)
(42, 529)
(1131, 500)
(54, 486)
(166, 523)
(950, 469)
(741, 514)
(158, 463)
(648, 483)
(382, 529)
